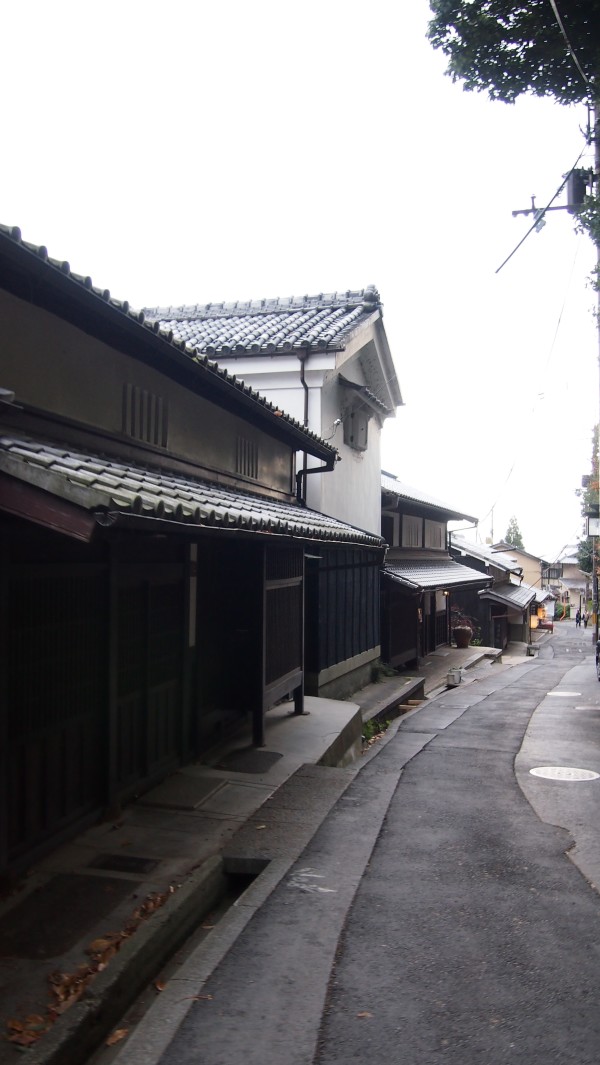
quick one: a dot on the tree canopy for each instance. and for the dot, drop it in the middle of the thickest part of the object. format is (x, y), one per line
(507, 49)
(513, 534)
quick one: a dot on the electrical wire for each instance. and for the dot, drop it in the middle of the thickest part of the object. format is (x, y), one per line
(540, 214)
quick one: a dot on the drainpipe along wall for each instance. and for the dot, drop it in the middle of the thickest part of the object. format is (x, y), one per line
(301, 494)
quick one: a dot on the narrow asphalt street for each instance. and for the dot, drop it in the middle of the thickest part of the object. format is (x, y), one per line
(474, 937)
(446, 908)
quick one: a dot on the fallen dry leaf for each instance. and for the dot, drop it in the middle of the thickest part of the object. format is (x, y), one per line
(27, 1032)
(117, 1036)
(67, 988)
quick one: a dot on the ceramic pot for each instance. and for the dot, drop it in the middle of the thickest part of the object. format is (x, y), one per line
(462, 635)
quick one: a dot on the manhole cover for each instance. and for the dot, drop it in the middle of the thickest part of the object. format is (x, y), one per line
(563, 772)
(563, 694)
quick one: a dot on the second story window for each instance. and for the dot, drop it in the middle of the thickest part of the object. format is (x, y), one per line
(412, 531)
(435, 534)
(356, 429)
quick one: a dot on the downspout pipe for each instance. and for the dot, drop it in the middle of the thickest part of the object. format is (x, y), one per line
(301, 484)
(301, 479)
(306, 469)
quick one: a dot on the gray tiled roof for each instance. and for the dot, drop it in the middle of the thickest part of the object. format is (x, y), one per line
(485, 554)
(391, 484)
(432, 574)
(54, 272)
(575, 583)
(542, 594)
(313, 323)
(515, 595)
(100, 484)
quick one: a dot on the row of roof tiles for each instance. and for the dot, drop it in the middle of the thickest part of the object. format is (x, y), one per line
(101, 484)
(305, 322)
(268, 326)
(395, 487)
(433, 574)
(323, 301)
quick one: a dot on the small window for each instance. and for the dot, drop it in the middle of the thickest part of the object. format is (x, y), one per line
(412, 535)
(356, 429)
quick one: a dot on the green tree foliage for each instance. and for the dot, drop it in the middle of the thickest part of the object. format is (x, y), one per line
(507, 49)
(513, 534)
(589, 502)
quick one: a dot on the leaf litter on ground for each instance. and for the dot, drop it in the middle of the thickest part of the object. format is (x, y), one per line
(67, 988)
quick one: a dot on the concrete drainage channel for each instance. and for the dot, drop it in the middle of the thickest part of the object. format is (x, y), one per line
(168, 960)
(133, 978)
(170, 977)
(209, 911)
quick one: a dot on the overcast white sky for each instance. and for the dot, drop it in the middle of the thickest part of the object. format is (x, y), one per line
(189, 152)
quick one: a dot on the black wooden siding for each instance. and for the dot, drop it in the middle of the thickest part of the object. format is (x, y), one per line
(284, 608)
(343, 606)
(57, 688)
(400, 625)
(149, 658)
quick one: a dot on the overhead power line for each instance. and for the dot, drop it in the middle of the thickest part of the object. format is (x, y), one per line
(540, 214)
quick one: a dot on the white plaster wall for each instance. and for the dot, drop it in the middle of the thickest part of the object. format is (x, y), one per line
(351, 492)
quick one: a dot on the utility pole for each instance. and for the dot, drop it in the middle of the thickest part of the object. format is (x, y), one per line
(596, 191)
(576, 183)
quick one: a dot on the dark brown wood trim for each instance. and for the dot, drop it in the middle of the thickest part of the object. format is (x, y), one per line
(33, 504)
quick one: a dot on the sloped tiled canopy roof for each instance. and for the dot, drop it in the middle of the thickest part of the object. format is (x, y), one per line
(28, 272)
(512, 595)
(113, 490)
(399, 491)
(543, 594)
(485, 554)
(312, 323)
(433, 574)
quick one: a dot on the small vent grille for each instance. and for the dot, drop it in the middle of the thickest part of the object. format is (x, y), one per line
(246, 461)
(144, 416)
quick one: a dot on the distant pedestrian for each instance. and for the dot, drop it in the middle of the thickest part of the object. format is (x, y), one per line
(578, 619)
(586, 618)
